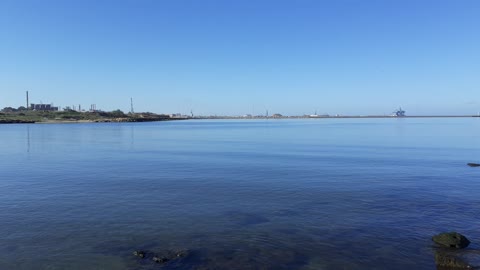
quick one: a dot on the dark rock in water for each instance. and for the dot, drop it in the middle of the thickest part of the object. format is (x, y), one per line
(139, 253)
(159, 259)
(181, 253)
(162, 257)
(448, 261)
(473, 164)
(169, 255)
(451, 239)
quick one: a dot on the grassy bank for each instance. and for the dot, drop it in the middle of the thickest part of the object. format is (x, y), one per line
(74, 116)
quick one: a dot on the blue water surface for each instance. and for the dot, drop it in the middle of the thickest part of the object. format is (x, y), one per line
(237, 194)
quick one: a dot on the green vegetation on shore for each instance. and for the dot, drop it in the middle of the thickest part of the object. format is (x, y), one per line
(21, 115)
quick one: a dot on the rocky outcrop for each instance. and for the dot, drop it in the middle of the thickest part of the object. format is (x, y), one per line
(449, 261)
(451, 240)
(140, 253)
(162, 257)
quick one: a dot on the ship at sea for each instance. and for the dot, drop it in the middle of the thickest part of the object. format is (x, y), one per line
(399, 113)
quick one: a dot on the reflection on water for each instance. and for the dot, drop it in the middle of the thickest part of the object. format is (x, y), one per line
(28, 138)
(334, 194)
(132, 135)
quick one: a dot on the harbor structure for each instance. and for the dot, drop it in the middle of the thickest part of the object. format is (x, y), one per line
(42, 107)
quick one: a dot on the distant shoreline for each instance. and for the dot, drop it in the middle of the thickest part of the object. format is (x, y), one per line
(16, 121)
(332, 117)
(76, 121)
(30, 117)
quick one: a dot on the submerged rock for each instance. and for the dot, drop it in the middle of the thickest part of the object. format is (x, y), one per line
(159, 259)
(448, 261)
(451, 240)
(162, 257)
(139, 253)
(181, 253)
(473, 164)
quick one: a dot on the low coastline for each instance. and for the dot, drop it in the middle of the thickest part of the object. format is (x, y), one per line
(102, 121)
(334, 117)
(70, 117)
(16, 121)
(55, 117)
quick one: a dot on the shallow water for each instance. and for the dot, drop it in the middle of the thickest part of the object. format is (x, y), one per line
(256, 194)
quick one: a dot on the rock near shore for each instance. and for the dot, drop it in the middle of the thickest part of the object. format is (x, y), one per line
(451, 240)
(447, 261)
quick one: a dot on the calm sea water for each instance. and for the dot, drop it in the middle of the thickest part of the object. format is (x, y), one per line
(257, 194)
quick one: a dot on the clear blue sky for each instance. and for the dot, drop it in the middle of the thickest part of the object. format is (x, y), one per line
(244, 56)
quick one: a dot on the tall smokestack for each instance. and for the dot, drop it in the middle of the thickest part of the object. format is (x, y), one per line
(27, 100)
